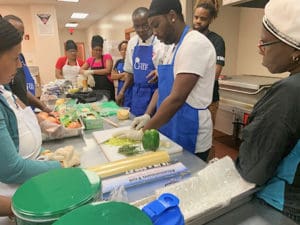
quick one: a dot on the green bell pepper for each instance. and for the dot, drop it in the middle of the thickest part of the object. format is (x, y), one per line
(150, 140)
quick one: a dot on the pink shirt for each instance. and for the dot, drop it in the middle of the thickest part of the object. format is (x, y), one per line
(98, 63)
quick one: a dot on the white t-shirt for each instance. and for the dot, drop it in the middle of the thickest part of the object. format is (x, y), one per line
(159, 50)
(197, 55)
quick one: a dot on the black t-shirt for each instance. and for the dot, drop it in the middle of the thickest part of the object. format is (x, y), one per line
(219, 45)
(18, 86)
(272, 132)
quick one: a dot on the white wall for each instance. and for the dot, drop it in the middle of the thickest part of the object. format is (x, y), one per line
(79, 35)
(240, 27)
(39, 50)
(227, 25)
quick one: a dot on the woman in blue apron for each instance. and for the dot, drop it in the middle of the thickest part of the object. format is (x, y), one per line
(119, 74)
(142, 90)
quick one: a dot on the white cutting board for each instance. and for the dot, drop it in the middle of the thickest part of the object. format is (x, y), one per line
(111, 152)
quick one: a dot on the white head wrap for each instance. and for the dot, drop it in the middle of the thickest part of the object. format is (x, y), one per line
(282, 19)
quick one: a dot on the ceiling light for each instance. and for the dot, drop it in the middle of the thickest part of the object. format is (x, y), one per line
(68, 0)
(122, 17)
(79, 15)
(71, 24)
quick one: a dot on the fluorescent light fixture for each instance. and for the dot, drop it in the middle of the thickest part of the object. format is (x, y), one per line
(122, 17)
(68, 0)
(79, 15)
(105, 26)
(71, 24)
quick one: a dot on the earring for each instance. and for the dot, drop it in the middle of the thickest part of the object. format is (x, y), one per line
(296, 58)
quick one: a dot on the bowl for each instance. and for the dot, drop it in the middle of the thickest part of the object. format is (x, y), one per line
(123, 113)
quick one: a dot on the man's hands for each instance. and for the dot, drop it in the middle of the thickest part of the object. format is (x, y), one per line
(140, 121)
(136, 135)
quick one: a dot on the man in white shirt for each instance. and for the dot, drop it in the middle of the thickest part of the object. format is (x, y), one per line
(185, 84)
(144, 53)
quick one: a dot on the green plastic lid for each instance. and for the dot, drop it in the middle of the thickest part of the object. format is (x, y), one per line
(52, 194)
(100, 213)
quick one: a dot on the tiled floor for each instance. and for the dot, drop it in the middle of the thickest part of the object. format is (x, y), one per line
(224, 144)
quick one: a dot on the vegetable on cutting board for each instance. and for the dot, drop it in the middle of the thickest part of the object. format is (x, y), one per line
(129, 150)
(150, 140)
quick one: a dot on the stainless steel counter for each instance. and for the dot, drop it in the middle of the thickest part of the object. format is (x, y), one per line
(253, 213)
(91, 155)
(250, 213)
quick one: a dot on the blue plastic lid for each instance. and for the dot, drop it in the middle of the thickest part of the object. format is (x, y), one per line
(165, 210)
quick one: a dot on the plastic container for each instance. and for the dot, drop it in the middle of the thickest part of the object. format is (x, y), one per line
(164, 210)
(45, 198)
(123, 113)
(108, 213)
(92, 123)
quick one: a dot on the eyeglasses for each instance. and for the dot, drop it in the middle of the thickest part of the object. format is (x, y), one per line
(261, 45)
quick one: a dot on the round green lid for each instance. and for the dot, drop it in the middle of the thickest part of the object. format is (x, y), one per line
(112, 213)
(56, 192)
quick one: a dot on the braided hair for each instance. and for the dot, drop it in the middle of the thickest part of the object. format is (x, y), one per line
(9, 36)
(211, 5)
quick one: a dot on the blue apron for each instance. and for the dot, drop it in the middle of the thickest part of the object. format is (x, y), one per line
(273, 192)
(183, 126)
(128, 92)
(30, 84)
(142, 91)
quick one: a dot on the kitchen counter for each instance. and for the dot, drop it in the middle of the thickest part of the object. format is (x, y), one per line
(249, 213)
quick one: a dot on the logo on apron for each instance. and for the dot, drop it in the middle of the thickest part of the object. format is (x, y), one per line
(140, 66)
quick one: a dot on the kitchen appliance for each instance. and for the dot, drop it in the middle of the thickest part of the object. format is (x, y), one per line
(238, 95)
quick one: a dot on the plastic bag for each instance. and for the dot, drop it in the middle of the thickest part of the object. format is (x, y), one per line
(118, 194)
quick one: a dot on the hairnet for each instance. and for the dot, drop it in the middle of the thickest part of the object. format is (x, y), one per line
(283, 21)
(70, 44)
(97, 40)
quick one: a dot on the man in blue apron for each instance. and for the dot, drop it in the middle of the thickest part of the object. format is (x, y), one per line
(23, 84)
(185, 82)
(144, 53)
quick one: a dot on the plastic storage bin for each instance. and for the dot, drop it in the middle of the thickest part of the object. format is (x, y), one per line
(45, 198)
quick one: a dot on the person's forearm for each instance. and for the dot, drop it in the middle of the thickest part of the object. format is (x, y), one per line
(35, 102)
(58, 74)
(218, 71)
(103, 72)
(117, 76)
(5, 206)
(127, 82)
(152, 105)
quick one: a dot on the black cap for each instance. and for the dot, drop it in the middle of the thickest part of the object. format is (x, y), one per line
(70, 44)
(161, 7)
